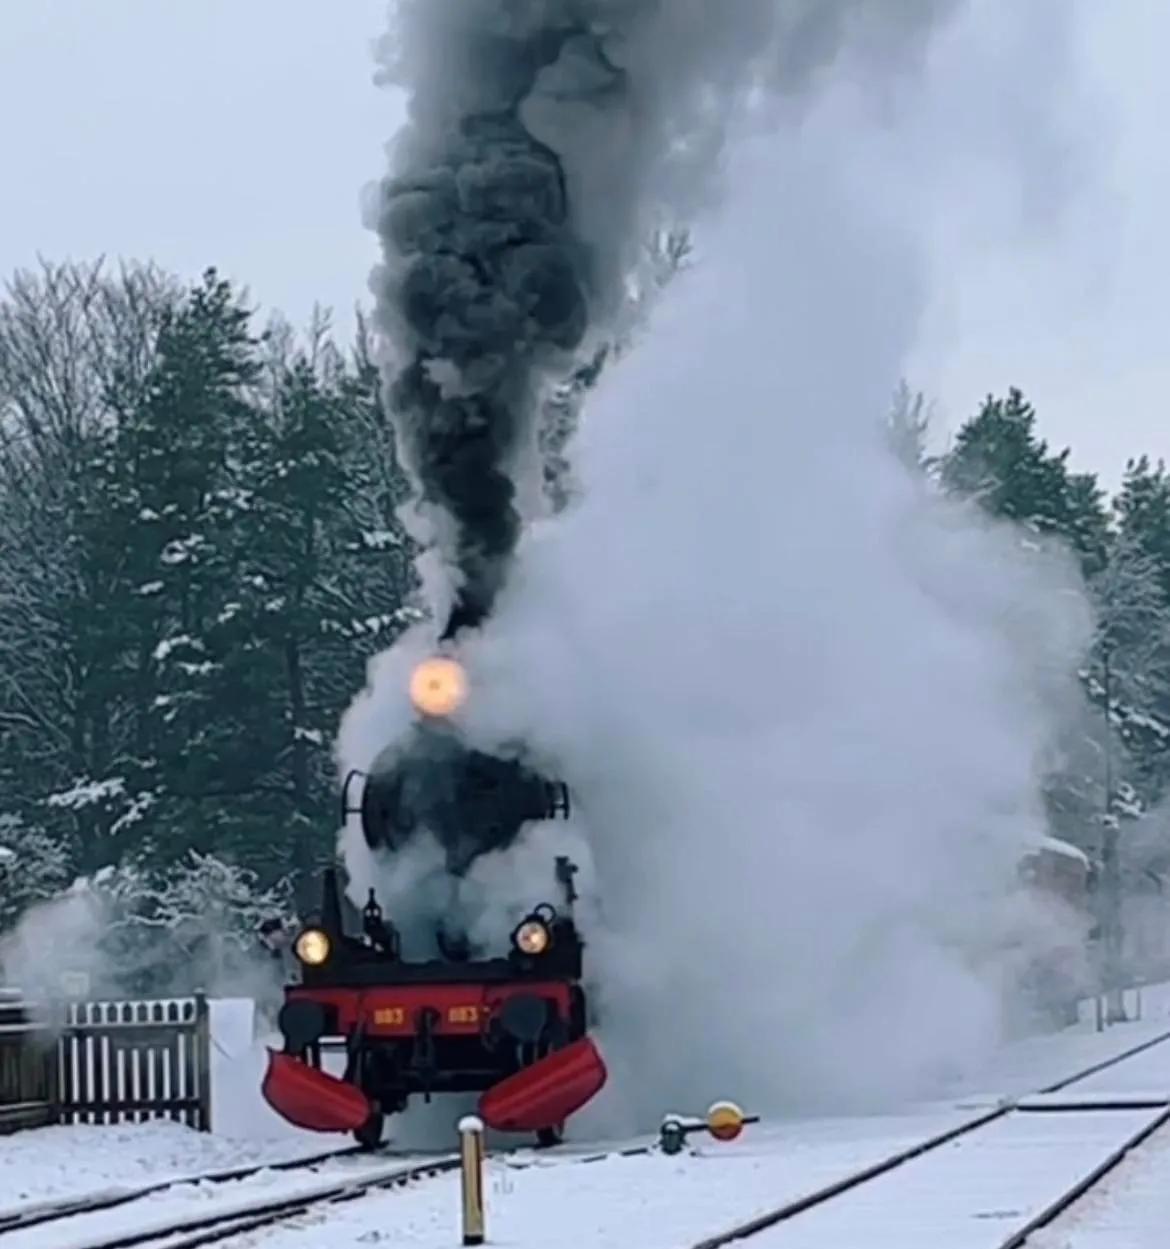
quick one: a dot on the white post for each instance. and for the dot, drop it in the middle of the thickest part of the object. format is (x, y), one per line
(471, 1173)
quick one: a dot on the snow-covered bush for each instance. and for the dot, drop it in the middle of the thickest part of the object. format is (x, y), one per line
(139, 930)
(33, 866)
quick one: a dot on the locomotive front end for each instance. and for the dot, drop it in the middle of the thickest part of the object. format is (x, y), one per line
(511, 1027)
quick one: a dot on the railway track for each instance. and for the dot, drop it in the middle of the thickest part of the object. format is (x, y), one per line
(53, 1211)
(1068, 1199)
(224, 1219)
(78, 1223)
(1157, 1116)
(233, 1217)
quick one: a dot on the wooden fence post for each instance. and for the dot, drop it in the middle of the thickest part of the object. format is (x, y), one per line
(203, 1059)
(53, 1060)
(27, 1065)
(471, 1178)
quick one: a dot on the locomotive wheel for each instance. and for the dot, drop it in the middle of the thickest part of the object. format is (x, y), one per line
(369, 1135)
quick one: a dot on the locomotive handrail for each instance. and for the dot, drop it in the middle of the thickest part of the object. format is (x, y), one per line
(557, 793)
(346, 809)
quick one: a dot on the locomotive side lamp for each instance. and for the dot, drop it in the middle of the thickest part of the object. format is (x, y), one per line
(532, 937)
(313, 947)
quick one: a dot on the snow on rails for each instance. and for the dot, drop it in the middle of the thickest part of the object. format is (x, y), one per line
(146, 1218)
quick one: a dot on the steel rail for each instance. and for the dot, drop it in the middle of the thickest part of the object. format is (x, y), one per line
(51, 1212)
(855, 1179)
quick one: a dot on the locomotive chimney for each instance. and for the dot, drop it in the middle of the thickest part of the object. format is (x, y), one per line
(330, 902)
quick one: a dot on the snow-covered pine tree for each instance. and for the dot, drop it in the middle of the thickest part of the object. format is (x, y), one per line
(320, 580)
(907, 427)
(1130, 660)
(204, 552)
(76, 344)
(999, 461)
(1142, 511)
(1112, 752)
(173, 518)
(134, 928)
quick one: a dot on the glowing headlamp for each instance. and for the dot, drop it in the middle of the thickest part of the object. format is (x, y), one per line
(532, 937)
(312, 947)
(438, 687)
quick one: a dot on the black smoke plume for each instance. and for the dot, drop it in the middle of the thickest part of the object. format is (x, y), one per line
(545, 139)
(489, 286)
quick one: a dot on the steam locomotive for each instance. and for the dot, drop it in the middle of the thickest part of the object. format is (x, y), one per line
(511, 1027)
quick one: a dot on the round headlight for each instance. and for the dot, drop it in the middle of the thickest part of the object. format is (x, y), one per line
(438, 687)
(532, 937)
(312, 947)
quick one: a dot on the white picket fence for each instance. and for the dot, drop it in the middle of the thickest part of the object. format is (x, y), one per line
(105, 1062)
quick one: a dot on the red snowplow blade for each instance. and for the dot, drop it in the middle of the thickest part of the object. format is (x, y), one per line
(313, 1099)
(547, 1093)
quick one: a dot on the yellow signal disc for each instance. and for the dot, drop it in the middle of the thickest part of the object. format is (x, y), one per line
(725, 1121)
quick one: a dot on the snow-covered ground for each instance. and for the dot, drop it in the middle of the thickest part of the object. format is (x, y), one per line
(651, 1202)
(1131, 1210)
(161, 1210)
(52, 1163)
(982, 1185)
(966, 1197)
(238, 1112)
(970, 1196)
(68, 1161)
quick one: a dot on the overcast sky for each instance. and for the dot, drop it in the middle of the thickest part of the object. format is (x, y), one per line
(1077, 315)
(241, 133)
(193, 132)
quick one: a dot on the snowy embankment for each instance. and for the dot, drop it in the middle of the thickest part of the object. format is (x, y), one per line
(542, 1200)
(1130, 1211)
(1031, 1063)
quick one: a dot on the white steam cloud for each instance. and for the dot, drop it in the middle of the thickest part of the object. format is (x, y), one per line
(801, 702)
